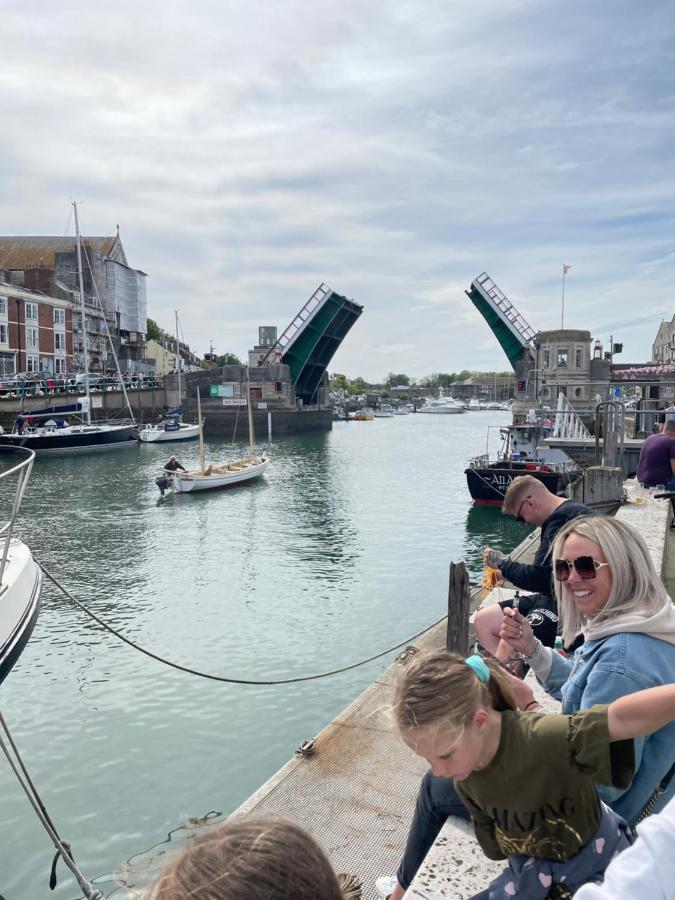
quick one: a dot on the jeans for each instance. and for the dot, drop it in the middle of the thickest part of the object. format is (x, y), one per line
(436, 800)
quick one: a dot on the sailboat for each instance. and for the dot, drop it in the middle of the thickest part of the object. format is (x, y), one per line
(56, 435)
(216, 475)
(172, 427)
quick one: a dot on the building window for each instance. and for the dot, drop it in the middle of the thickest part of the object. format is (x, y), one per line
(578, 392)
(547, 358)
(31, 337)
(59, 340)
(3, 306)
(563, 358)
(59, 316)
(32, 363)
(60, 365)
(4, 337)
(578, 358)
(32, 311)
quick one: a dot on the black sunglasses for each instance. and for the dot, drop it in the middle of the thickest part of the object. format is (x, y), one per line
(586, 567)
(519, 518)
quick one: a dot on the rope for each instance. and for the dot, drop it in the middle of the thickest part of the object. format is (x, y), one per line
(223, 678)
(62, 849)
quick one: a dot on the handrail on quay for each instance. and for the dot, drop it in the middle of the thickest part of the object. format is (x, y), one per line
(22, 470)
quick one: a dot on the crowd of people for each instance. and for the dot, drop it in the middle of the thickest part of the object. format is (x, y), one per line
(579, 803)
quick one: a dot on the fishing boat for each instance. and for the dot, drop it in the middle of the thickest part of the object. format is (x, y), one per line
(215, 475)
(171, 427)
(442, 405)
(521, 453)
(20, 575)
(58, 434)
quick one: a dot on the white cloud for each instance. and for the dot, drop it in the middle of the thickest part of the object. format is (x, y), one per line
(250, 151)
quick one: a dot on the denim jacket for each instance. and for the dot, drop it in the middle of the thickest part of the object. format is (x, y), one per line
(604, 670)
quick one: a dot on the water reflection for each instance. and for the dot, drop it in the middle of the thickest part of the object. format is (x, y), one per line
(487, 526)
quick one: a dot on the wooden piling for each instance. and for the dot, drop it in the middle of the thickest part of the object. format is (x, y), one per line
(459, 597)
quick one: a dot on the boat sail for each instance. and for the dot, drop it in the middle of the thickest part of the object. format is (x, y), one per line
(172, 427)
(56, 435)
(216, 475)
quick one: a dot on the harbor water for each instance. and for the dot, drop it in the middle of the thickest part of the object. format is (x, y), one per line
(341, 551)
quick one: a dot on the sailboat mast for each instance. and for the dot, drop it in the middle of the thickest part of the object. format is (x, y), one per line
(180, 395)
(85, 342)
(249, 405)
(202, 464)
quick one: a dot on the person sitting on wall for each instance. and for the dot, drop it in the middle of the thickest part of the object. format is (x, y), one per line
(173, 465)
(656, 465)
(530, 501)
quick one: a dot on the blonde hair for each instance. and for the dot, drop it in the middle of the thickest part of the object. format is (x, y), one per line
(441, 689)
(250, 859)
(636, 585)
(518, 489)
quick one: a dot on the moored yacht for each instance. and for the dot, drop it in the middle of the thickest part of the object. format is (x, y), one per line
(442, 405)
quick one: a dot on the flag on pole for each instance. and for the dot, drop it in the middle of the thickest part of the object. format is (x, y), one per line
(566, 268)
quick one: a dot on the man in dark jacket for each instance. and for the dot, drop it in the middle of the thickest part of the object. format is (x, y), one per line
(529, 501)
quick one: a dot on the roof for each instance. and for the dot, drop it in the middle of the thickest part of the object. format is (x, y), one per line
(27, 252)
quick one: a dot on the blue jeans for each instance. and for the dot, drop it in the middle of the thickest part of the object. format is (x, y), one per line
(436, 800)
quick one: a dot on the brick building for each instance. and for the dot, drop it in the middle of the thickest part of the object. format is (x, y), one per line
(36, 332)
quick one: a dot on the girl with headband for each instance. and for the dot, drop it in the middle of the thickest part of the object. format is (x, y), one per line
(528, 781)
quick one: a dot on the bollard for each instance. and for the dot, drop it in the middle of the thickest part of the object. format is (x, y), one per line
(459, 599)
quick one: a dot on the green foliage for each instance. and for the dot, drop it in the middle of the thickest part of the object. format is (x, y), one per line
(228, 359)
(394, 379)
(154, 332)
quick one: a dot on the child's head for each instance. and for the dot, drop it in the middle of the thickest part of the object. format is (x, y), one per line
(250, 859)
(442, 708)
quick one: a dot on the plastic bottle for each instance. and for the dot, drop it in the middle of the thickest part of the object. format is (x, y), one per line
(558, 646)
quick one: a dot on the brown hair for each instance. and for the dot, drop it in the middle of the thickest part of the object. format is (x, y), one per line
(250, 859)
(518, 489)
(669, 426)
(441, 689)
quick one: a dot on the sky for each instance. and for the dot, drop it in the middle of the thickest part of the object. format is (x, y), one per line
(251, 150)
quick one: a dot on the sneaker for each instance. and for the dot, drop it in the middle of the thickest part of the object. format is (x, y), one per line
(385, 885)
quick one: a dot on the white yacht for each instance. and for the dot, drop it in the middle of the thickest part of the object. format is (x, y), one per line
(443, 405)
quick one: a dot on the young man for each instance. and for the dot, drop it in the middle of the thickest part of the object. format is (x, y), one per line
(529, 501)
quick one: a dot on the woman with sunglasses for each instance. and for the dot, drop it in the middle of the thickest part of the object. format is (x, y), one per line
(608, 590)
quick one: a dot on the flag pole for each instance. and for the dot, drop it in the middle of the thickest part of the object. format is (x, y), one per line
(566, 268)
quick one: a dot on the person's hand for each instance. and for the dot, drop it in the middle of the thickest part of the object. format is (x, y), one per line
(521, 691)
(493, 558)
(517, 632)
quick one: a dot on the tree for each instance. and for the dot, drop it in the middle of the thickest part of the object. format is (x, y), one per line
(228, 359)
(154, 332)
(339, 383)
(392, 380)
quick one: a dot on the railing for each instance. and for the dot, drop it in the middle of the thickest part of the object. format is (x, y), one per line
(22, 470)
(567, 423)
(307, 312)
(504, 305)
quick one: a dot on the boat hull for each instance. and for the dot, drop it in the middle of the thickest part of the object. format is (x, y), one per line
(22, 590)
(488, 485)
(189, 482)
(73, 438)
(155, 435)
(450, 411)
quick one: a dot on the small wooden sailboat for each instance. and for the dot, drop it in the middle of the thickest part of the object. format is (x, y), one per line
(216, 475)
(172, 427)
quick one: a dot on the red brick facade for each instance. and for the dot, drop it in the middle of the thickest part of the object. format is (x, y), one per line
(38, 333)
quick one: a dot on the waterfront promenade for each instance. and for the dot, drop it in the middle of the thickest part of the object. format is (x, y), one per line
(357, 793)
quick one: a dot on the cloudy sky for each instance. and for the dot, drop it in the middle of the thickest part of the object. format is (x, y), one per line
(250, 150)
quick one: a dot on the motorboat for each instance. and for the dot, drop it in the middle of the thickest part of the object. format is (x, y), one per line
(521, 453)
(442, 405)
(386, 411)
(473, 404)
(362, 415)
(20, 575)
(403, 410)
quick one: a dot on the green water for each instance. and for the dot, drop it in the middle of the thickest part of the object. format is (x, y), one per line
(340, 551)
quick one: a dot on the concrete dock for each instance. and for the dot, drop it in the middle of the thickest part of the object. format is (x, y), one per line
(357, 793)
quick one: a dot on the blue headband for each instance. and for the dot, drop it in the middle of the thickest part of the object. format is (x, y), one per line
(479, 667)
